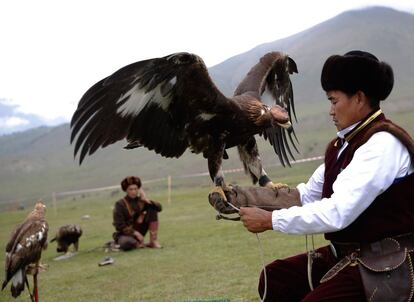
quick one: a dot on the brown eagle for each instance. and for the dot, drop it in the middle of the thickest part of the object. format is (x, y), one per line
(170, 104)
(67, 235)
(24, 250)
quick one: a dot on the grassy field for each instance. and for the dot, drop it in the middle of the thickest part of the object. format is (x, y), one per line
(202, 258)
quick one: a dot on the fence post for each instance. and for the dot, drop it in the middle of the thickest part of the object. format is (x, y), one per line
(169, 189)
(54, 203)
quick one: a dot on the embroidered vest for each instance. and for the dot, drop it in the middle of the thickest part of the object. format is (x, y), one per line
(392, 212)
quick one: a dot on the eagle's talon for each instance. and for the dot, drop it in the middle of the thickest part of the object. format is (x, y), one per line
(34, 268)
(277, 186)
(220, 191)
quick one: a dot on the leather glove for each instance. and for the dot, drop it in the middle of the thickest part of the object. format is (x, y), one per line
(265, 198)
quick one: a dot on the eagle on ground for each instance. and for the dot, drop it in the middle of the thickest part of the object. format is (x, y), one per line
(170, 104)
(67, 235)
(24, 250)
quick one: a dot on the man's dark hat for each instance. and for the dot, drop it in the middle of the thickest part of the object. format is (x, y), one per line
(358, 70)
(130, 180)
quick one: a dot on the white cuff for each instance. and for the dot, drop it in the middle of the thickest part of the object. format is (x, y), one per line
(302, 189)
(275, 222)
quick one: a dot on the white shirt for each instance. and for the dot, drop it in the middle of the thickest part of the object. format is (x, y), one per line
(374, 167)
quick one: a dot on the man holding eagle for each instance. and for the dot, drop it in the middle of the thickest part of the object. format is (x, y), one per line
(361, 198)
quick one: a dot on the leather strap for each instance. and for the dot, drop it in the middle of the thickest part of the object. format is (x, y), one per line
(128, 206)
(344, 262)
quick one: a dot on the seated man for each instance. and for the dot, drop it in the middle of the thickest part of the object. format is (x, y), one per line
(134, 215)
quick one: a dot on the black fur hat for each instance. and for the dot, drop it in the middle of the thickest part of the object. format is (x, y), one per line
(358, 70)
(130, 180)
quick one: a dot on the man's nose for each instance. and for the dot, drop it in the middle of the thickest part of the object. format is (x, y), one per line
(331, 111)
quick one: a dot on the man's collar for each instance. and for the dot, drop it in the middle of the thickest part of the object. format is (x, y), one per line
(349, 132)
(362, 124)
(343, 132)
(130, 199)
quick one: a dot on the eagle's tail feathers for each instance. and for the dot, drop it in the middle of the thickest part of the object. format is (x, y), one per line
(18, 283)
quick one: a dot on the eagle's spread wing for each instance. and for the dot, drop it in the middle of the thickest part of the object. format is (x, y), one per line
(148, 102)
(270, 79)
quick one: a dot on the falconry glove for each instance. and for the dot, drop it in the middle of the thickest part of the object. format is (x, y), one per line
(268, 199)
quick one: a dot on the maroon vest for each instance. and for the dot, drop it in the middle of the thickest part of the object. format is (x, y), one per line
(392, 212)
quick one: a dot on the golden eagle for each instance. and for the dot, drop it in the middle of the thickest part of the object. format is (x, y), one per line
(66, 235)
(170, 104)
(24, 250)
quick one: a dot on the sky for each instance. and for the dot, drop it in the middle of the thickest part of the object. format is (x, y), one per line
(53, 51)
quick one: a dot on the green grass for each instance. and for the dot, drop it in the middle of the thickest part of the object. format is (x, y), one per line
(202, 258)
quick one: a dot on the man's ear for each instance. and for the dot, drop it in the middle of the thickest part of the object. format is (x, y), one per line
(361, 97)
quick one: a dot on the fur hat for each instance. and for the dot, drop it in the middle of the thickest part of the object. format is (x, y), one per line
(130, 180)
(358, 70)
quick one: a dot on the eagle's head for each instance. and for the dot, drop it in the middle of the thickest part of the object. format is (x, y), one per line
(40, 206)
(280, 117)
(39, 210)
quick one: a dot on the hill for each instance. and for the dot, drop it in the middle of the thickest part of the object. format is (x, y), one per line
(40, 161)
(384, 31)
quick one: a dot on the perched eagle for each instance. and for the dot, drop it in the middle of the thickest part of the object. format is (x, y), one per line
(67, 235)
(170, 104)
(24, 250)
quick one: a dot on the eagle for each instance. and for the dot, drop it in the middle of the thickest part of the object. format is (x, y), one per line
(67, 235)
(24, 250)
(169, 104)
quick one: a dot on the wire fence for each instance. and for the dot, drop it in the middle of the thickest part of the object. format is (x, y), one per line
(163, 183)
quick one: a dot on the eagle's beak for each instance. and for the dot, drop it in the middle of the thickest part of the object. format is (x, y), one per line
(287, 125)
(280, 117)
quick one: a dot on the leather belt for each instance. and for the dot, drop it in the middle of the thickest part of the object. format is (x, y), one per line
(342, 249)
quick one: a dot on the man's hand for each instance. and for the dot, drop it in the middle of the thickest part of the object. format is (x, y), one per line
(139, 236)
(256, 220)
(143, 196)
